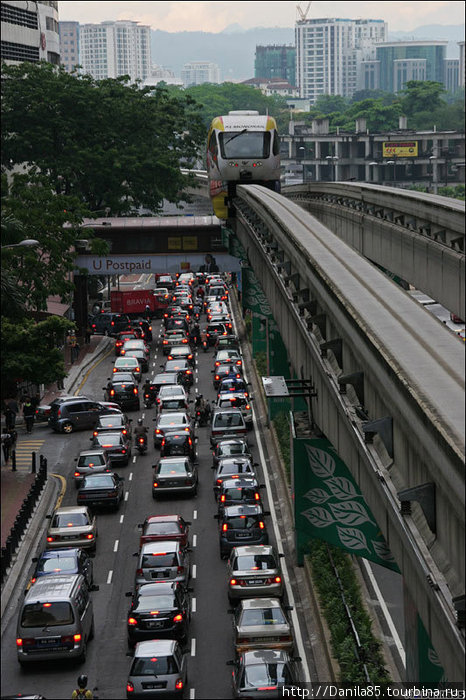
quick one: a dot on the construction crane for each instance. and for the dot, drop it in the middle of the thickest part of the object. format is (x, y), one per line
(302, 16)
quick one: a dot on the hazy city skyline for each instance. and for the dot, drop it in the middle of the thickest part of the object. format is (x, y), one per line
(215, 16)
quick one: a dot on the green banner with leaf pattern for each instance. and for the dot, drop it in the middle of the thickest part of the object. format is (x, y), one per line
(330, 506)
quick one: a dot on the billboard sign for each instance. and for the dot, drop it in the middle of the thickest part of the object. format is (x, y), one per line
(400, 149)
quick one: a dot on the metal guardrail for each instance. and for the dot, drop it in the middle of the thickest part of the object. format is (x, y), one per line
(16, 533)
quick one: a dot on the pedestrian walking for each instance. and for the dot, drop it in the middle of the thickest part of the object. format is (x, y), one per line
(87, 334)
(8, 444)
(29, 413)
(11, 410)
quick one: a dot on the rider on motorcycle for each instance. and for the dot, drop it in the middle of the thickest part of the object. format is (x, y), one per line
(202, 408)
(140, 431)
(148, 391)
(195, 334)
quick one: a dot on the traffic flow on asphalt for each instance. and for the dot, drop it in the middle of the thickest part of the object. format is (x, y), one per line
(159, 572)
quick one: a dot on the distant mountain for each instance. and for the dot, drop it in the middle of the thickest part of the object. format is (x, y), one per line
(233, 49)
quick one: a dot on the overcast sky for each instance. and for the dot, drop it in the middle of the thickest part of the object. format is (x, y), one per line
(214, 16)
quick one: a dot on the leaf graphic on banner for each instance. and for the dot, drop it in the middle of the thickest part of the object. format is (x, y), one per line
(382, 551)
(321, 463)
(433, 658)
(352, 538)
(350, 513)
(317, 495)
(318, 517)
(342, 488)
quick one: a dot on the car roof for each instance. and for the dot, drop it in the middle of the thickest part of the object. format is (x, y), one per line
(56, 553)
(163, 376)
(260, 656)
(155, 647)
(162, 518)
(234, 511)
(89, 453)
(240, 481)
(157, 547)
(63, 510)
(159, 588)
(232, 409)
(55, 586)
(170, 460)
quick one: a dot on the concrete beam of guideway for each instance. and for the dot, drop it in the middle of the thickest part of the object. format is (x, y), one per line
(413, 371)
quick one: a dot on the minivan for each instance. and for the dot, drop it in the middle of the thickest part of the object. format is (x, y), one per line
(109, 323)
(77, 413)
(162, 561)
(55, 620)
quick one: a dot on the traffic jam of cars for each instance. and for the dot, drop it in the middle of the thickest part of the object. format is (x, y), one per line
(56, 622)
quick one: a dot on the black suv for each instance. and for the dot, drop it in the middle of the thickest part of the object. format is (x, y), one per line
(177, 443)
(241, 525)
(75, 413)
(109, 323)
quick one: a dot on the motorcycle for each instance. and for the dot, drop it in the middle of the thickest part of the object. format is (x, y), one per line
(141, 444)
(148, 400)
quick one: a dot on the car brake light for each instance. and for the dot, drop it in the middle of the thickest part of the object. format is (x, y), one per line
(257, 496)
(232, 582)
(178, 618)
(135, 391)
(112, 392)
(77, 474)
(179, 684)
(261, 525)
(19, 642)
(50, 539)
(132, 621)
(138, 572)
(277, 579)
(33, 580)
(155, 484)
(224, 527)
(90, 537)
(129, 687)
(222, 498)
(248, 407)
(77, 638)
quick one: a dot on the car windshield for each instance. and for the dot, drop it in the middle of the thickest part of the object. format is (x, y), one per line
(233, 402)
(262, 616)
(56, 565)
(265, 675)
(172, 419)
(47, 615)
(243, 522)
(228, 420)
(172, 404)
(235, 449)
(164, 528)
(154, 666)
(156, 602)
(111, 421)
(134, 345)
(91, 461)
(102, 481)
(172, 469)
(109, 439)
(235, 468)
(254, 562)
(70, 520)
(239, 493)
(159, 560)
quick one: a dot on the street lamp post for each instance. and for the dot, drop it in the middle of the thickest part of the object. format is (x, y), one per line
(393, 162)
(302, 151)
(373, 163)
(27, 243)
(432, 158)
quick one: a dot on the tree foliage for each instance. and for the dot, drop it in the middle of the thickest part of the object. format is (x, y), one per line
(31, 209)
(109, 143)
(31, 351)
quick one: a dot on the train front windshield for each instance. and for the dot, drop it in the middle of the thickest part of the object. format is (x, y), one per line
(247, 144)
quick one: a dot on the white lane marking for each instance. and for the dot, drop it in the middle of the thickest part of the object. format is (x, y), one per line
(126, 495)
(193, 647)
(195, 515)
(122, 517)
(193, 605)
(273, 515)
(153, 364)
(387, 615)
(115, 546)
(134, 459)
(143, 416)
(130, 478)
(109, 577)
(194, 574)
(194, 540)
(192, 694)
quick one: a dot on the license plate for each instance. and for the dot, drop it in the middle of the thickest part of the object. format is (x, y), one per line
(264, 639)
(160, 574)
(154, 624)
(52, 642)
(68, 537)
(243, 534)
(153, 686)
(256, 582)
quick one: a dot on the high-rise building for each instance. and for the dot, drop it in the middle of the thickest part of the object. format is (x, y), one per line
(276, 62)
(69, 45)
(199, 72)
(329, 54)
(451, 78)
(461, 67)
(401, 59)
(29, 32)
(111, 49)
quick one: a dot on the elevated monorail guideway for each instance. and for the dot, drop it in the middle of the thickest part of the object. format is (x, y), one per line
(373, 353)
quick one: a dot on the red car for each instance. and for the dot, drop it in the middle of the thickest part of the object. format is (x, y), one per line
(122, 338)
(165, 527)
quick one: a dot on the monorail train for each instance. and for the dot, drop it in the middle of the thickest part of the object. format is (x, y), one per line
(242, 148)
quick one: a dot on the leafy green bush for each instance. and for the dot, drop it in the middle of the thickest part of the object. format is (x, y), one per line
(343, 644)
(282, 428)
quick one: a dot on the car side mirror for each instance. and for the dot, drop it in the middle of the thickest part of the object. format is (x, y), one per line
(48, 517)
(190, 590)
(140, 526)
(262, 486)
(288, 608)
(281, 555)
(135, 554)
(104, 388)
(130, 653)
(255, 464)
(128, 594)
(94, 587)
(214, 467)
(266, 512)
(154, 419)
(34, 559)
(296, 658)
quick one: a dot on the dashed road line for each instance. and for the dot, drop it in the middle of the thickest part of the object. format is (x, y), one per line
(115, 546)
(126, 495)
(194, 540)
(193, 605)
(109, 577)
(193, 647)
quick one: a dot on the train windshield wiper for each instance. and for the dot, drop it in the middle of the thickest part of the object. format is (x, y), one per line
(235, 136)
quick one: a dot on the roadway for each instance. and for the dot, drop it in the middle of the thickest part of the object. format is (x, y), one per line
(210, 644)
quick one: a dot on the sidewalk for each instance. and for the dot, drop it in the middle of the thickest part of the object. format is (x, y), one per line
(15, 485)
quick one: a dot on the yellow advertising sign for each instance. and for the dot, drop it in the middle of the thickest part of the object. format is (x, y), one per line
(400, 149)
(190, 243)
(174, 243)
